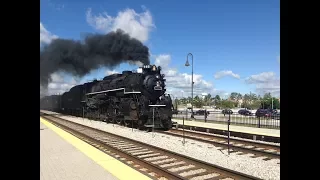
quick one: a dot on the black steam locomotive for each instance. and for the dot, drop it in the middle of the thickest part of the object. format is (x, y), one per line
(129, 98)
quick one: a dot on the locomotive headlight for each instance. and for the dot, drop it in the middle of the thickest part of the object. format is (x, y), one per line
(154, 68)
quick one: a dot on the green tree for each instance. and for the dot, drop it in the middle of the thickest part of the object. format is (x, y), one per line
(226, 104)
(197, 102)
(276, 103)
(233, 96)
(268, 100)
(217, 100)
(267, 96)
(236, 97)
(207, 100)
(217, 97)
(255, 105)
(176, 102)
(246, 101)
(253, 97)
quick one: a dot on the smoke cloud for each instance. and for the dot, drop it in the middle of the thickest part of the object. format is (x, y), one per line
(80, 57)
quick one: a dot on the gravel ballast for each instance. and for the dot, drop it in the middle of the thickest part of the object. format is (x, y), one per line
(199, 150)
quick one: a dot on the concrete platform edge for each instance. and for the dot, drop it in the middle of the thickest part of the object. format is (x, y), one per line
(112, 165)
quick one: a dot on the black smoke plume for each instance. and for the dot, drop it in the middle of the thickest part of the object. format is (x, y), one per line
(79, 58)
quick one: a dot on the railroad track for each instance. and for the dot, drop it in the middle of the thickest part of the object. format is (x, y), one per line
(236, 145)
(157, 163)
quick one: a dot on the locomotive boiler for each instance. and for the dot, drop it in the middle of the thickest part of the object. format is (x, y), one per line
(128, 98)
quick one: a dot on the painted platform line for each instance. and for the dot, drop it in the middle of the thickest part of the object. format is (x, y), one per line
(111, 164)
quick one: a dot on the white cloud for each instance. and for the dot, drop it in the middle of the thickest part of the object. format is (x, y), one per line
(108, 72)
(222, 74)
(58, 85)
(265, 82)
(179, 84)
(137, 25)
(163, 60)
(45, 36)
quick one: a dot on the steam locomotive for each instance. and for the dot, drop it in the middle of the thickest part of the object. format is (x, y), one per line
(129, 98)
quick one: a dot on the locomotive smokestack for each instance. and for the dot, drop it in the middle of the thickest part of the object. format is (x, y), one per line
(79, 58)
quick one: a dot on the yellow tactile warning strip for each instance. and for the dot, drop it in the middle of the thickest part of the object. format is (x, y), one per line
(112, 165)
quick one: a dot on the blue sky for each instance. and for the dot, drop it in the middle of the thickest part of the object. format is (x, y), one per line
(238, 36)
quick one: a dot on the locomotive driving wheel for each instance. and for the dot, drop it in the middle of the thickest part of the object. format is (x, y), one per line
(108, 118)
(118, 120)
(127, 122)
(140, 124)
(141, 121)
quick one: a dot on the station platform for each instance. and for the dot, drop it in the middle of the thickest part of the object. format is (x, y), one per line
(65, 157)
(233, 128)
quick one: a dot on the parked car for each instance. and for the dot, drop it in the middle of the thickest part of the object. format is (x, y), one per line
(200, 112)
(276, 116)
(265, 112)
(245, 112)
(175, 111)
(262, 113)
(227, 111)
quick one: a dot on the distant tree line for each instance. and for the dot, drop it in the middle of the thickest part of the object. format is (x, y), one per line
(249, 101)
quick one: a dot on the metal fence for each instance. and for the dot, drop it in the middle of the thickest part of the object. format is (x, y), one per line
(271, 121)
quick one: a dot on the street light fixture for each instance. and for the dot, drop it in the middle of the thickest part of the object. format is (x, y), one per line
(187, 64)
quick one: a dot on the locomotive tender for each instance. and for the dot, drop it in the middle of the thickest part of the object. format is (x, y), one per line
(137, 98)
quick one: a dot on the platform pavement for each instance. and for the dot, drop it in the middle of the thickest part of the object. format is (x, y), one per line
(242, 129)
(65, 157)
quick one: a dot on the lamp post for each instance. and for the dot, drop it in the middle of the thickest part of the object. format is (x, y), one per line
(272, 100)
(187, 64)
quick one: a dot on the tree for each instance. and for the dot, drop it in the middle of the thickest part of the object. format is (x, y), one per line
(176, 102)
(239, 96)
(253, 97)
(217, 100)
(267, 96)
(217, 97)
(228, 104)
(250, 101)
(254, 105)
(197, 102)
(276, 103)
(266, 101)
(246, 101)
(233, 96)
(207, 100)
